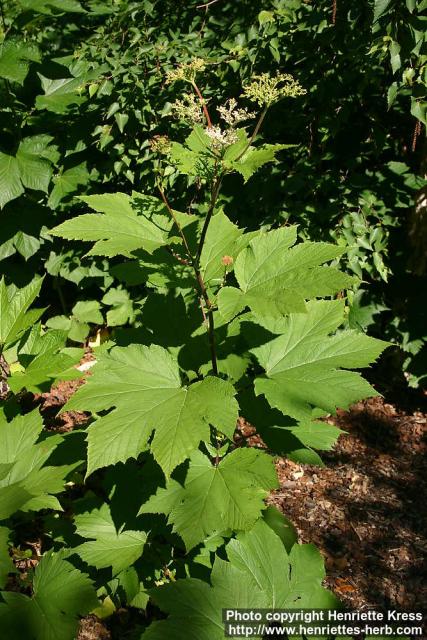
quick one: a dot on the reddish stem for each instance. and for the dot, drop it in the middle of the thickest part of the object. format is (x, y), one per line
(203, 103)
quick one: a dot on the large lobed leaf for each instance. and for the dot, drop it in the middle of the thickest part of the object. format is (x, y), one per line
(25, 483)
(306, 366)
(107, 547)
(144, 387)
(61, 94)
(216, 498)
(275, 277)
(255, 158)
(15, 58)
(121, 225)
(31, 168)
(14, 315)
(61, 593)
(259, 574)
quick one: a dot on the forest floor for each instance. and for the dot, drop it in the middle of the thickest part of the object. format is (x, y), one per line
(365, 509)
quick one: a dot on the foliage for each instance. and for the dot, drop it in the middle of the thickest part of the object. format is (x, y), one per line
(61, 593)
(400, 33)
(214, 274)
(259, 574)
(84, 103)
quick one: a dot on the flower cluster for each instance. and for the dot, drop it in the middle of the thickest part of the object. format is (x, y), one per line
(186, 71)
(233, 116)
(188, 108)
(227, 261)
(266, 89)
(219, 138)
(160, 144)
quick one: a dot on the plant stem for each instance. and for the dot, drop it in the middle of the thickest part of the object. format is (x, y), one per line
(254, 133)
(176, 221)
(211, 322)
(214, 196)
(195, 263)
(203, 103)
(57, 286)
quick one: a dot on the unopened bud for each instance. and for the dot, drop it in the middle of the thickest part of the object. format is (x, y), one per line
(227, 261)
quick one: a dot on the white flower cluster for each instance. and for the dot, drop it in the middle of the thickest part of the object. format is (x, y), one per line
(265, 89)
(220, 138)
(188, 108)
(186, 71)
(233, 116)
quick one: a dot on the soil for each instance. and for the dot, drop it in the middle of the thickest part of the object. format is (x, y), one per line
(365, 509)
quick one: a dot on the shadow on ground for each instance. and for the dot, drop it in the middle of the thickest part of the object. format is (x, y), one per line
(366, 509)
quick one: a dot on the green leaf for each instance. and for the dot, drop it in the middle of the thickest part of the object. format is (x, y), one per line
(28, 483)
(265, 17)
(392, 94)
(109, 548)
(34, 167)
(277, 278)
(15, 56)
(231, 301)
(221, 240)
(144, 386)
(259, 574)
(14, 315)
(315, 434)
(50, 7)
(62, 93)
(121, 225)
(255, 158)
(12, 499)
(195, 157)
(10, 179)
(61, 593)
(419, 110)
(122, 120)
(67, 182)
(46, 369)
(122, 307)
(30, 168)
(216, 498)
(281, 526)
(380, 7)
(305, 366)
(88, 311)
(395, 60)
(26, 245)
(38, 341)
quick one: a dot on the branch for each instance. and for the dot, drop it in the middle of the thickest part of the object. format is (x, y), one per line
(254, 133)
(206, 5)
(195, 263)
(214, 196)
(211, 323)
(203, 103)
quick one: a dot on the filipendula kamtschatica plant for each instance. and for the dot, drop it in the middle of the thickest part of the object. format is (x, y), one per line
(234, 324)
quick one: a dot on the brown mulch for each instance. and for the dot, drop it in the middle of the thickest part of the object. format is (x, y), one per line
(366, 510)
(91, 628)
(52, 402)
